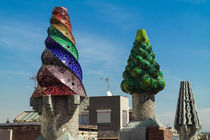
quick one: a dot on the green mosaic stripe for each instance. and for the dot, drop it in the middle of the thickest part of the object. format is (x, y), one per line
(63, 41)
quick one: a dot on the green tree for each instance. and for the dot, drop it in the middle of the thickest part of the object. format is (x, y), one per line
(142, 73)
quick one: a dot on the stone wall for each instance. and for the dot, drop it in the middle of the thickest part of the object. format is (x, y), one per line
(23, 132)
(158, 133)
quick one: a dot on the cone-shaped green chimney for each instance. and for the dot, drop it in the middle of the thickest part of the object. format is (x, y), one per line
(142, 73)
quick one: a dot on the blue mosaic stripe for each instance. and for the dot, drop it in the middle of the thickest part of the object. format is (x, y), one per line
(64, 56)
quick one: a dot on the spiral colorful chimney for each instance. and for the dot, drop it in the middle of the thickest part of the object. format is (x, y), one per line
(60, 73)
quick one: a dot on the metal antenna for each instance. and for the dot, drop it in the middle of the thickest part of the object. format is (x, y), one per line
(107, 81)
(108, 85)
(33, 78)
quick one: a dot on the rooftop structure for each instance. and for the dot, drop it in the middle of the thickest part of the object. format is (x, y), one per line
(57, 96)
(143, 79)
(109, 113)
(28, 116)
(186, 121)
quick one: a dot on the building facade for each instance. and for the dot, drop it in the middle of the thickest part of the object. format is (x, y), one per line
(20, 131)
(109, 113)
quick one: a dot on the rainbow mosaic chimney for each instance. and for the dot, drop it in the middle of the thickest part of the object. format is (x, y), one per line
(57, 96)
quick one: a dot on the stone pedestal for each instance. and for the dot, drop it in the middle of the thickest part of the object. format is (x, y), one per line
(144, 116)
(59, 117)
(133, 131)
(143, 106)
(145, 130)
(144, 126)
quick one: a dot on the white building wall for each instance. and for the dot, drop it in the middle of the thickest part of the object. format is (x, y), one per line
(124, 105)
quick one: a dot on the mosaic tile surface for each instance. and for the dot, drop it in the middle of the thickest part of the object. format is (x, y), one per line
(60, 73)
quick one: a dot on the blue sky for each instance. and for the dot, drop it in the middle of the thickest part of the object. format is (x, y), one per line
(104, 31)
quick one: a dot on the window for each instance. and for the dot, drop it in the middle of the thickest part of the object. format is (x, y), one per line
(84, 118)
(124, 118)
(103, 116)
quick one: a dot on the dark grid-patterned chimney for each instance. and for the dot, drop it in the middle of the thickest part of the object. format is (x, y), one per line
(186, 120)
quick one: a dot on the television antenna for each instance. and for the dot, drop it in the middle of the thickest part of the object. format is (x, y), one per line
(33, 78)
(109, 93)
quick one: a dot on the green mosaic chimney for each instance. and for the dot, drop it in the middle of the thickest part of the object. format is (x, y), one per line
(142, 73)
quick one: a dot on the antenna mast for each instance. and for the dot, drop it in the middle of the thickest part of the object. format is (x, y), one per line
(33, 78)
(108, 85)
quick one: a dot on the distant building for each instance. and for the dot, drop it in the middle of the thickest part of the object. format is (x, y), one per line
(26, 126)
(27, 116)
(6, 134)
(175, 134)
(205, 135)
(109, 113)
(101, 117)
(20, 131)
